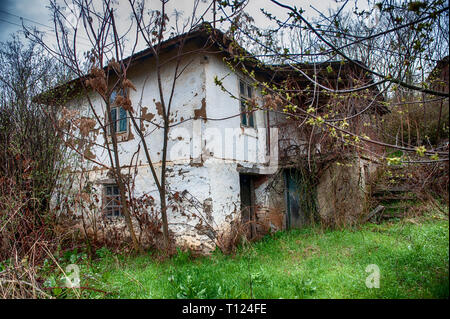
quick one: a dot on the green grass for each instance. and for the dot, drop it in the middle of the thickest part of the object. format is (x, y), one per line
(413, 259)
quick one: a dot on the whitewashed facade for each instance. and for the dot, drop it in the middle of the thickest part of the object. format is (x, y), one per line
(208, 148)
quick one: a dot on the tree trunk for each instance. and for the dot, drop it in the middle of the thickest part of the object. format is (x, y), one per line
(120, 183)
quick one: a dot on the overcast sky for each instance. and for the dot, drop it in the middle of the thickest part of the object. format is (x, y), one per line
(35, 13)
(11, 10)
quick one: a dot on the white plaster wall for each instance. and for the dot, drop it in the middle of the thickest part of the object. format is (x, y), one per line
(200, 161)
(188, 95)
(249, 146)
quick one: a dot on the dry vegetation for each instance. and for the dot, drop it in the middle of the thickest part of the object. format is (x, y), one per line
(35, 172)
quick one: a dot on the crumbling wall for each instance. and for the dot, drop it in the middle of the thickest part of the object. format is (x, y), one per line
(270, 203)
(202, 173)
(341, 192)
(203, 199)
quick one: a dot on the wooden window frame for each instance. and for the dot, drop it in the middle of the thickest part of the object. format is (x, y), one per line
(117, 108)
(108, 198)
(244, 96)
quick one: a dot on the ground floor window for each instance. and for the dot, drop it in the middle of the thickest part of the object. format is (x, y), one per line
(112, 206)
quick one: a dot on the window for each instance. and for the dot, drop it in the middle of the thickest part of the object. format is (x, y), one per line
(119, 119)
(112, 205)
(245, 94)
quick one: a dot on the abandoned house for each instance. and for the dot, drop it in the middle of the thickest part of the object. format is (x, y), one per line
(224, 159)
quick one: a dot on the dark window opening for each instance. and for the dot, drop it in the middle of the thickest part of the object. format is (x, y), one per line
(112, 204)
(246, 93)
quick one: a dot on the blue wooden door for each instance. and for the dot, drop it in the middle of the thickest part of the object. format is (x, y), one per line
(295, 217)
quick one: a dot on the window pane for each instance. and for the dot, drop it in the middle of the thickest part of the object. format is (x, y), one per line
(112, 98)
(123, 120)
(116, 190)
(109, 202)
(108, 190)
(249, 91)
(114, 119)
(242, 87)
(243, 115)
(250, 120)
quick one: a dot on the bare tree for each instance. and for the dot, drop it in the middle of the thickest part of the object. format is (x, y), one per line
(104, 70)
(31, 153)
(395, 52)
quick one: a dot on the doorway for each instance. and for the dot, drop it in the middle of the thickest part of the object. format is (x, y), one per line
(295, 216)
(247, 193)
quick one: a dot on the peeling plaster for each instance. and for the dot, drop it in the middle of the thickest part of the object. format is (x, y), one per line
(206, 173)
(201, 112)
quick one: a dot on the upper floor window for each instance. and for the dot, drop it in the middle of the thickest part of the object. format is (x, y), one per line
(119, 118)
(245, 94)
